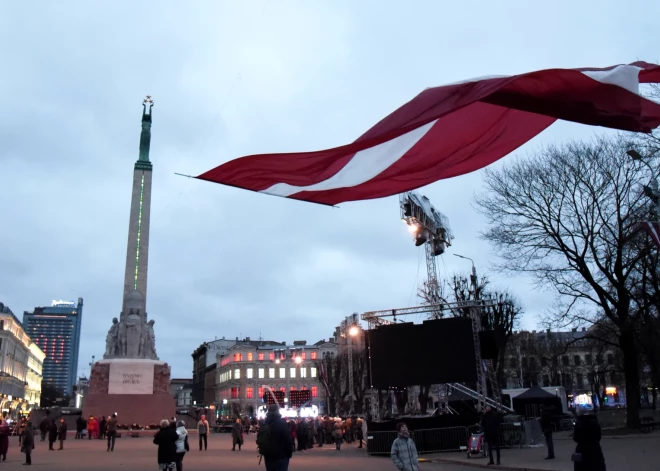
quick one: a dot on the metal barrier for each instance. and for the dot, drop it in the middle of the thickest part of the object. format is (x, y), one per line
(380, 443)
(441, 439)
(512, 434)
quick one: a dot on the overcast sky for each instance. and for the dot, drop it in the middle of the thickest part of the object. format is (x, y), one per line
(235, 78)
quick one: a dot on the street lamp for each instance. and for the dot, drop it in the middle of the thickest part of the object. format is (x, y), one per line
(350, 328)
(651, 190)
(473, 277)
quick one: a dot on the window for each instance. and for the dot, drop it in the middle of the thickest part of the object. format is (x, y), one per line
(513, 363)
(282, 389)
(544, 362)
(271, 356)
(249, 373)
(293, 388)
(568, 380)
(546, 381)
(282, 372)
(315, 391)
(249, 393)
(237, 373)
(261, 393)
(577, 360)
(610, 359)
(564, 360)
(238, 357)
(587, 359)
(312, 372)
(312, 355)
(580, 381)
(303, 372)
(261, 373)
(524, 362)
(260, 356)
(234, 393)
(249, 356)
(599, 359)
(303, 355)
(271, 372)
(532, 363)
(292, 372)
(613, 377)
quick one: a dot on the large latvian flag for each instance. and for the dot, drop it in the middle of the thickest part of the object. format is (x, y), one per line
(451, 130)
(652, 229)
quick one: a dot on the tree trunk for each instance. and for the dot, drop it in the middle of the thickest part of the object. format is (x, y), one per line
(631, 366)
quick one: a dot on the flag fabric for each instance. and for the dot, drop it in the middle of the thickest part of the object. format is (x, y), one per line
(323, 376)
(451, 130)
(652, 229)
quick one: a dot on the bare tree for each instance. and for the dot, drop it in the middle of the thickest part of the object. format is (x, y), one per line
(568, 216)
(503, 318)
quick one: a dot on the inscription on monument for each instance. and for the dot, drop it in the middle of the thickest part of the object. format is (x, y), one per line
(131, 378)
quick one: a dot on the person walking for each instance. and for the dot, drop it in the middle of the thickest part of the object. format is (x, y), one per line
(111, 432)
(166, 439)
(182, 445)
(588, 454)
(43, 428)
(274, 441)
(490, 424)
(61, 433)
(404, 451)
(103, 427)
(547, 427)
(202, 430)
(237, 435)
(361, 430)
(4, 439)
(28, 443)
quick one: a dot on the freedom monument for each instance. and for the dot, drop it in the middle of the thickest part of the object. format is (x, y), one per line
(130, 380)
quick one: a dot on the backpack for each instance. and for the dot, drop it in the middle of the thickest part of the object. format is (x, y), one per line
(266, 440)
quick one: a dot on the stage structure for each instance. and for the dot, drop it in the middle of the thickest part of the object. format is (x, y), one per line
(431, 229)
(477, 308)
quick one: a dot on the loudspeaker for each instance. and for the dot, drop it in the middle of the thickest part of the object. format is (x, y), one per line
(488, 345)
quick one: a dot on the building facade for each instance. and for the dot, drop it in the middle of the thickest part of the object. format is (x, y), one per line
(181, 390)
(591, 371)
(246, 371)
(56, 331)
(21, 365)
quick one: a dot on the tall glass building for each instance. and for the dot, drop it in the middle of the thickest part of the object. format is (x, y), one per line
(56, 330)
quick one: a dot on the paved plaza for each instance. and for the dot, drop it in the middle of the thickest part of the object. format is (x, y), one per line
(139, 454)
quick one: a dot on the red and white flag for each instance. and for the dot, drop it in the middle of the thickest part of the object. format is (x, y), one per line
(652, 229)
(451, 130)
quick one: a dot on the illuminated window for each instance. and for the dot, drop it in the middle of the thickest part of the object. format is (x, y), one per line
(282, 389)
(249, 373)
(237, 373)
(312, 355)
(303, 355)
(234, 393)
(271, 372)
(249, 356)
(292, 372)
(261, 392)
(260, 356)
(293, 388)
(261, 373)
(238, 357)
(315, 391)
(271, 356)
(303, 372)
(282, 372)
(312, 372)
(249, 393)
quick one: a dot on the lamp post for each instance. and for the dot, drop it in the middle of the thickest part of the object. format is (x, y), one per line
(473, 276)
(651, 190)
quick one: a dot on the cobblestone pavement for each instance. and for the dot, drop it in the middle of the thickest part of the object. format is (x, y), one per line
(139, 454)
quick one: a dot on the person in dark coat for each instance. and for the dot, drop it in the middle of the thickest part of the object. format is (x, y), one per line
(52, 434)
(28, 443)
(61, 433)
(102, 428)
(81, 423)
(278, 459)
(547, 427)
(490, 424)
(587, 436)
(4, 439)
(43, 428)
(301, 433)
(166, 439)
(237, 435)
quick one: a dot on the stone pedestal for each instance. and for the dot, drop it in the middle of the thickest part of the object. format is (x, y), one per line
(136, 390)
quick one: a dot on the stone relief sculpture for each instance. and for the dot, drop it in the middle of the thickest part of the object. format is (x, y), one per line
(131, 336)
(111, 340)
